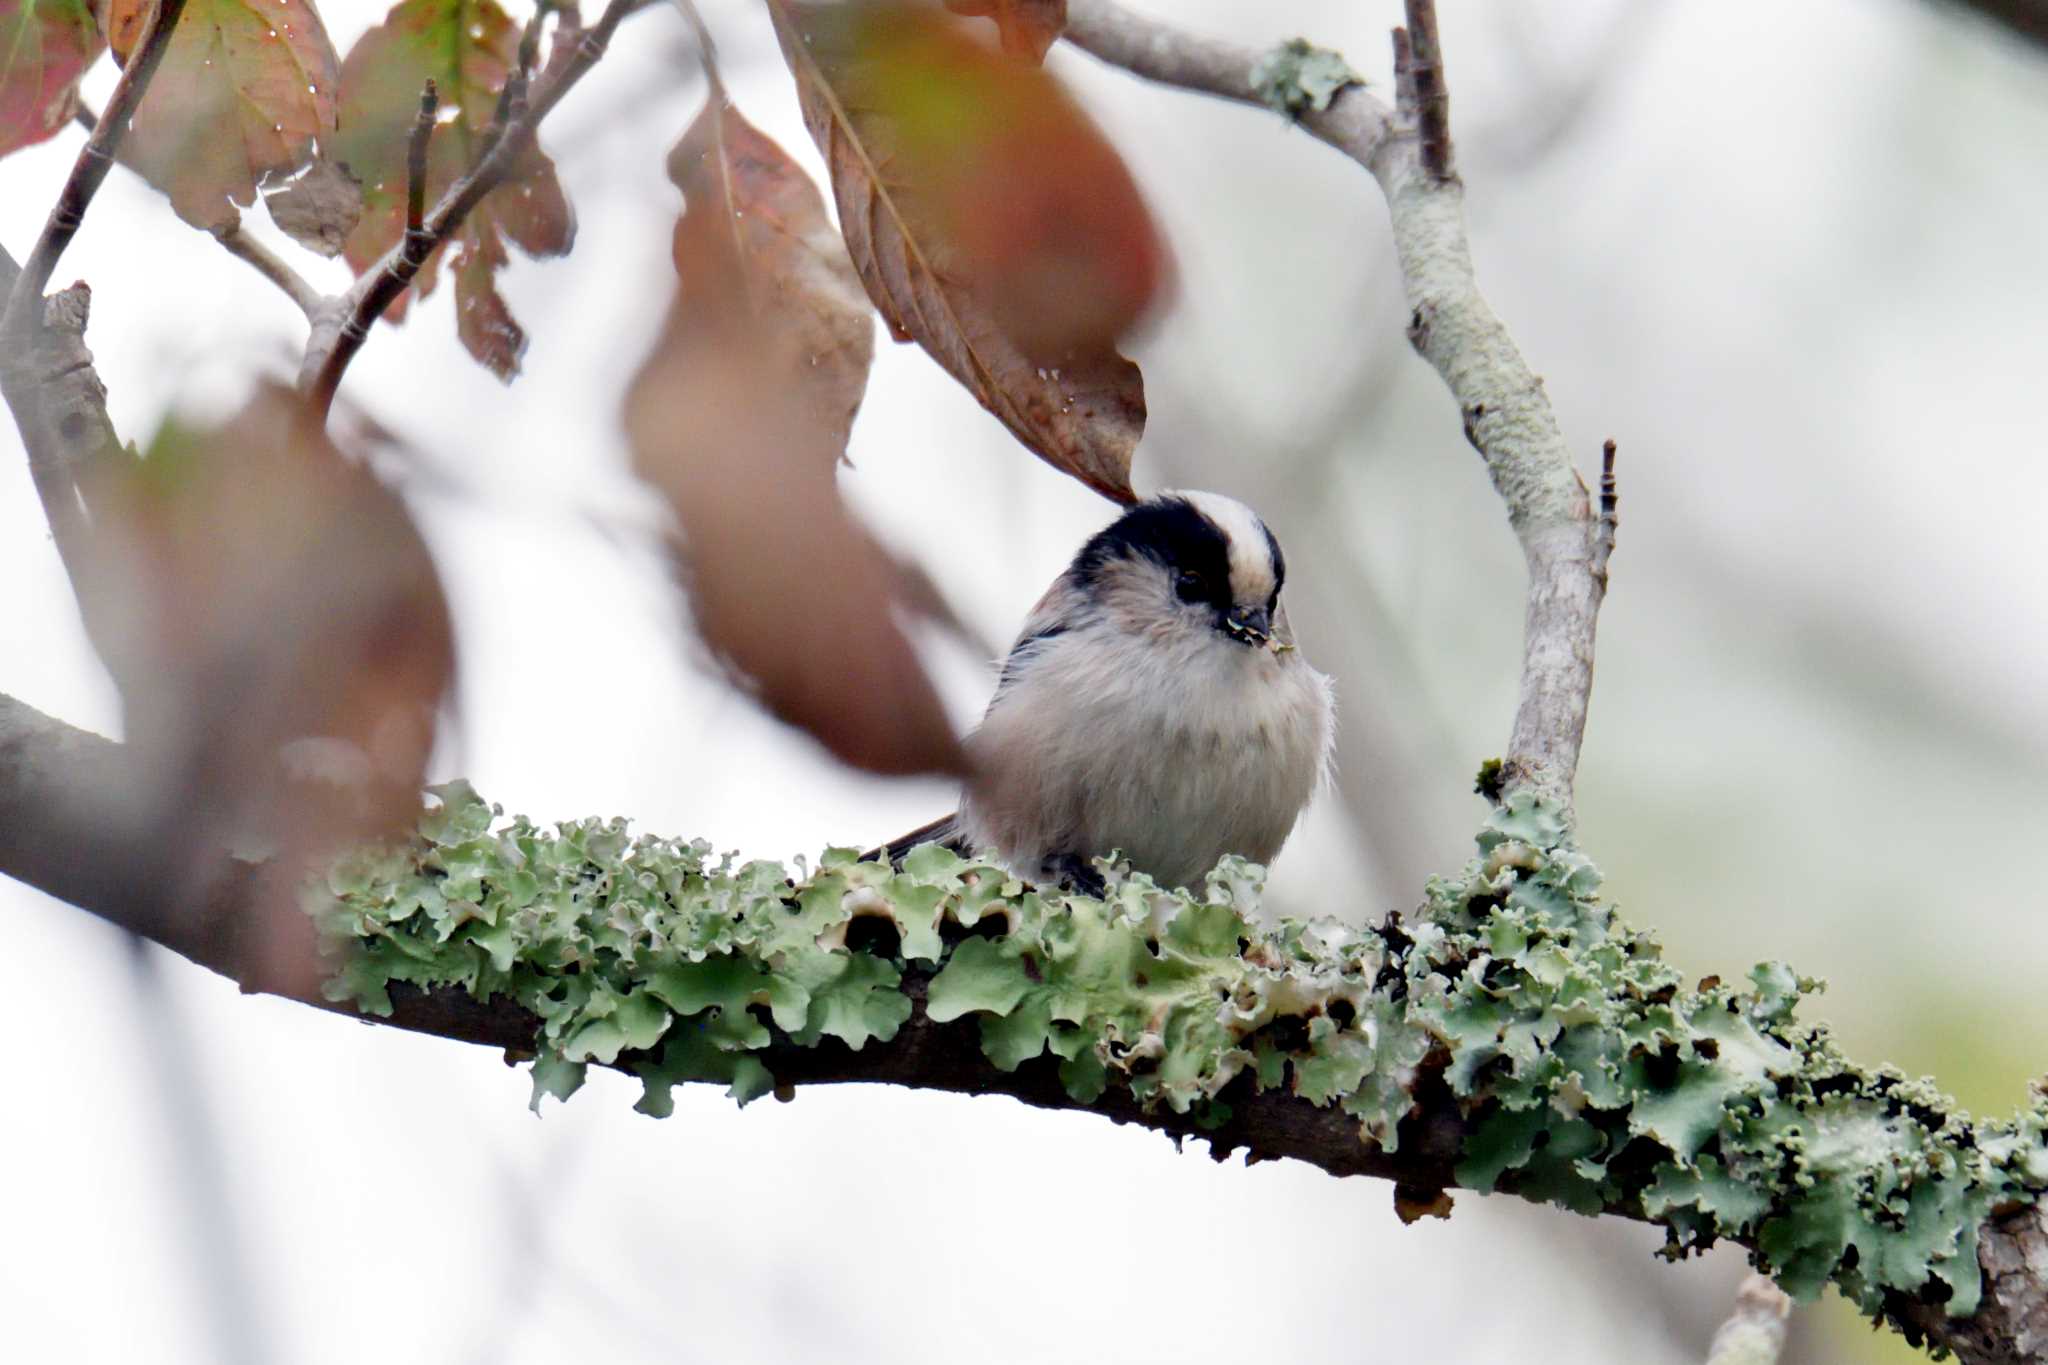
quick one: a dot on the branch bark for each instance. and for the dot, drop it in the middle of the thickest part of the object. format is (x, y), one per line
(1507, 415)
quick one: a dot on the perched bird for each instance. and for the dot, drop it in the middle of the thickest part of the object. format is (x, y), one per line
(1155, 704)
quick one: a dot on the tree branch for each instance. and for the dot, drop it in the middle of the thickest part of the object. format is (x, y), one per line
(272, 267)
(90, 169)
(332, 348)
(1509, 1035)
(1507, 415)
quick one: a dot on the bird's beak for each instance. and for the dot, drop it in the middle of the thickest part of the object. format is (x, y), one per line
(1249, 625)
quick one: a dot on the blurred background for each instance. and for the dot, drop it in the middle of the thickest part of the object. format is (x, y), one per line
(1790, 257)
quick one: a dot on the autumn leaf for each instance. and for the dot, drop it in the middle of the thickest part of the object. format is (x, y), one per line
(740, 417)
(990, 221)
(467, 48)
(243, 98)
(45, 46)
(1029, 28)
(281, 642)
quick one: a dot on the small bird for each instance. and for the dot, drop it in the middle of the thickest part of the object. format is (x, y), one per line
(1154, 706)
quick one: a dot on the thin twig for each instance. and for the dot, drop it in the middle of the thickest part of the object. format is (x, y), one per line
(1507, 415)
(416, 172)
(381, 285)
(1610, 518)
(271, 266)
(1419, 81)
(90, 169)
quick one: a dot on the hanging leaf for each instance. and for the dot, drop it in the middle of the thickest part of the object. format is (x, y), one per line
(989, 220)
(1028, 28)
(320, 208)
(244, 95)
(740, 417)
(467, 48)
(45, 46)
(282, 646)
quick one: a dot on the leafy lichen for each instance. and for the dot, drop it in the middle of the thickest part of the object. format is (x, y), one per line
(1298, 76)
(1587, 1072)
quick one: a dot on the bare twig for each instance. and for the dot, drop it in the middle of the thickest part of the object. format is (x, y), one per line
(90, 169)
(1507, 415)
(1419, 85)
(1754, 1333)
(328, 356)
(416, 173)
(1610, 516)
(272, 267)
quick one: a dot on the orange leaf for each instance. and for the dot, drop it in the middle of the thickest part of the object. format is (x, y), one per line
(739, 417)
(45, 46)
(467, 48)
(245, 92)
(1029, 28)
(990, 221)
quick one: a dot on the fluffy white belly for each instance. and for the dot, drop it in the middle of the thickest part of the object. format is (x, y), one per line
(1173, 756)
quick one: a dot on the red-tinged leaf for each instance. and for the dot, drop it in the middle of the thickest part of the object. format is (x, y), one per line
(45, 46)
(243, 98)
(1028, 28)
(740, 417)
(282, 646)
(754, 222)
(990, 221)
(467, 48)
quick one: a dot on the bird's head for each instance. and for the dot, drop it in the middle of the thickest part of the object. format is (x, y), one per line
(1184, 563)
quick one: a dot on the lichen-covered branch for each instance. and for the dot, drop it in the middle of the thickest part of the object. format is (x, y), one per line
(1507, 415)
(1510, 1034)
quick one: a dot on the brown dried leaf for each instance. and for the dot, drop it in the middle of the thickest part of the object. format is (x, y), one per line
(245, 92)
(989, 220)
(319, 209)
(467, 48)
(739, 418)
(281, 642)
(45, 46)
(1028, 28)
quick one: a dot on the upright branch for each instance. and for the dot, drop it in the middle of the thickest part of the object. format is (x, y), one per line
(94, 160)
(1507, 415)
(415, 246)
(1419, 85)
(328, 355)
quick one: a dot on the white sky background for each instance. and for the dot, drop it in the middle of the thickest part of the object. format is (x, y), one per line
(1789, 256)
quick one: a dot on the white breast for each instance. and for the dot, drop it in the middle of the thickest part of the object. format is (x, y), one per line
(1175, 752)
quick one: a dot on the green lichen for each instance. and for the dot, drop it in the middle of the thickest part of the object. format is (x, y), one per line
(1298, 76)
(1588, 1073)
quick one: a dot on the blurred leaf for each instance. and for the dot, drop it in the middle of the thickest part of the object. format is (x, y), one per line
(280, 640)
(990, 221)
(467, 48)
(740, 417)
(245, 91)
(1029, 28)
(45, 46)
(320, 208)
(754, 239)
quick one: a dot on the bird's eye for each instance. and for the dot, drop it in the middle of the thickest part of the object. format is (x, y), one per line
(1190, 587)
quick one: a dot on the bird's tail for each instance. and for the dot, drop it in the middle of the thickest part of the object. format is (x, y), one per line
(944, 830)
